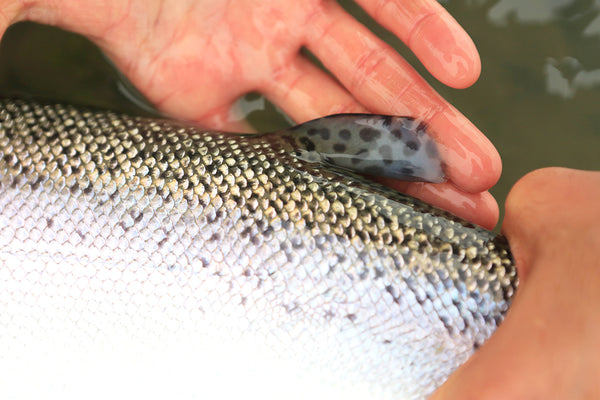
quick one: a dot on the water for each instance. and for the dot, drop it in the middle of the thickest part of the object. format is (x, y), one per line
(537, 99)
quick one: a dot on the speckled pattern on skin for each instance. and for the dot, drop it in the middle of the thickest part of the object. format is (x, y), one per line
(238, 264)
(394, 147)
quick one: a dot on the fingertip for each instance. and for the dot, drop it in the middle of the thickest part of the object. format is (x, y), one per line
(473, 170)
(489, 211)
(472, 162)
(533, 199)
(544, 182)
(446, 50)
(478, 208)
(543, 200)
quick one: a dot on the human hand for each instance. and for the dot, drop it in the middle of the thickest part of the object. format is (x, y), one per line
(547, 347)
(194, 58)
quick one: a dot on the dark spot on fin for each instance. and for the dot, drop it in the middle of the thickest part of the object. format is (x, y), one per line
(339, 147)
(413, 145)
(345, 134)
(393, 147)
(397, 133)
(369, 134)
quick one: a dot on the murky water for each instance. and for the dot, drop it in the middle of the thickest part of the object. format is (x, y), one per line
(538, 98)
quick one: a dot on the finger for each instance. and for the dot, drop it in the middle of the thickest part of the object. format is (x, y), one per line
(443, 47)
(472, 161)
(384, 83)
(539, 208)
(306, 92)
(479, 208)
(537, 196)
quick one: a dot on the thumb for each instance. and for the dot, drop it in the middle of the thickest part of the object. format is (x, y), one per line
(551, 206)
(547, 346)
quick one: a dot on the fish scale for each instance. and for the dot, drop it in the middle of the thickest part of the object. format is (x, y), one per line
(170, 260)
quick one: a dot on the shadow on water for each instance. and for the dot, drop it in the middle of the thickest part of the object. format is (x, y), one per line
(537, 98)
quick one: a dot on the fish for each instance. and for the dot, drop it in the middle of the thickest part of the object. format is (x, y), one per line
(150, 258)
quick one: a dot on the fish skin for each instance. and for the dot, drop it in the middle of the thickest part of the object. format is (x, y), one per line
(154, 258)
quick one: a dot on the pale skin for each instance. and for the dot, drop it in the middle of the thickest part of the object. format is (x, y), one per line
(194, 58)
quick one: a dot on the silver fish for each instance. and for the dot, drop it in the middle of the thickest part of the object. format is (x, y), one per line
(146, 258)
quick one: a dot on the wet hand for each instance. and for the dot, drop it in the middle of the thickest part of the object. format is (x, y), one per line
(547, 348)
(194, 58)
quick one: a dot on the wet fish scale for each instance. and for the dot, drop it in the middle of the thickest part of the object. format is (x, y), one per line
(122, 236)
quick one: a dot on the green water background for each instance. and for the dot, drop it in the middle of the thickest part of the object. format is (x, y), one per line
(538, 98)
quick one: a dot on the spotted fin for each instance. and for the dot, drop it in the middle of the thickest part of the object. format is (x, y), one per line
(394, 147)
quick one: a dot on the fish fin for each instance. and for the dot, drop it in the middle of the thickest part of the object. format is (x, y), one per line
(393, 147)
